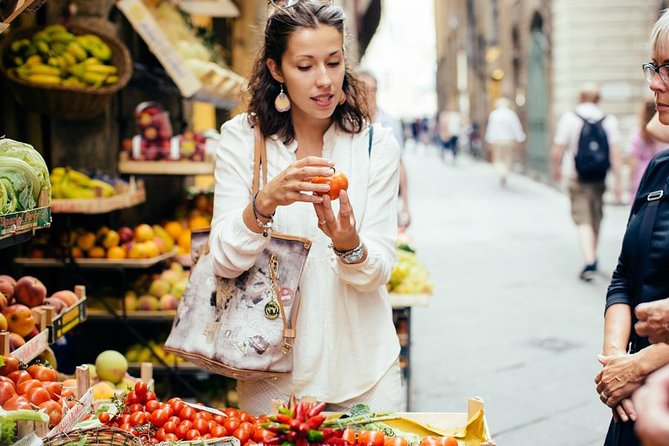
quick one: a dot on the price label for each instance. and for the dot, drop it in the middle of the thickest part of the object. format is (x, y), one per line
(29, 440)
(74, 415)
(205, 408)
(31, 349)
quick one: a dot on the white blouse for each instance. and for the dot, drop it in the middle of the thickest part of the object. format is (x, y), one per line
(346, 339)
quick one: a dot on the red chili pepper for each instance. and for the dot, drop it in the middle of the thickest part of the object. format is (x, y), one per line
(278, 428)
(276, 440)
(302, 442)
(291, 435)
(285, 419)
(292, 403)
(329, 433)
(299, 411)
(302, 428)
(318, 408)
(315, 421)
(336, 441)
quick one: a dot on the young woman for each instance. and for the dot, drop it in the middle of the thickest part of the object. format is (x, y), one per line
(308, 104)
(643, 146)
(640, 276)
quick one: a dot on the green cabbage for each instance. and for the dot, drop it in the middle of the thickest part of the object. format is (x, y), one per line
(21, 183)
(27, 153)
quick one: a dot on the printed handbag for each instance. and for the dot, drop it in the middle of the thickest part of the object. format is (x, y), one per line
(244, 327)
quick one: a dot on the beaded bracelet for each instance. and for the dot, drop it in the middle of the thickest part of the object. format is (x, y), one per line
(265, 226)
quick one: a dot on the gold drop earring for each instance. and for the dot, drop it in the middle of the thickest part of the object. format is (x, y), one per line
(282, 102)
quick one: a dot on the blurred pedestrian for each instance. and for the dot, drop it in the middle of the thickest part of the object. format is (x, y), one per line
(591, 141)
(475, 147)
(640, 276)
(503, 133)
(643, 147)
(378, 115)
(449, 126)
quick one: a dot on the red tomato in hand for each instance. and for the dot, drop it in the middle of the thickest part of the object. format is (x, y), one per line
(337, 182)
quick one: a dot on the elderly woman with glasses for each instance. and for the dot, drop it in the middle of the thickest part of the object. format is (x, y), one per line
(310, 107)
(641, 274)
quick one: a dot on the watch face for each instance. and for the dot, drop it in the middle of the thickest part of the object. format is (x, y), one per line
(353, 257)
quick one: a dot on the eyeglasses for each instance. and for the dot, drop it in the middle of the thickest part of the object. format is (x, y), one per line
(285, 4)
(650, 69)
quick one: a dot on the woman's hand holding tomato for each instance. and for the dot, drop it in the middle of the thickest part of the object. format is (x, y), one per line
(294, 184)
(340, 228)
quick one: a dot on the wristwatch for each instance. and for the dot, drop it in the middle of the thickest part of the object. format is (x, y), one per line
(352, 256)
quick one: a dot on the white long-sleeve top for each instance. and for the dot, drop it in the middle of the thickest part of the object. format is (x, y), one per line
(346, 339)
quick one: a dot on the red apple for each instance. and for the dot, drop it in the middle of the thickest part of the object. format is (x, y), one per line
(66, 296)
(15, 341)
(7, 287)
(29, 291)
(126, 234)
(57, 304)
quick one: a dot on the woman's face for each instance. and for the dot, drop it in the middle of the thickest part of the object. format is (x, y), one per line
(312, 70)
(660, 87)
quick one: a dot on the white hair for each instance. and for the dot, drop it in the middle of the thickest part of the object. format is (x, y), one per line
(659, 34)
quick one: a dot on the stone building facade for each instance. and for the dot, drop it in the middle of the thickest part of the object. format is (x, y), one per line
(538, 53)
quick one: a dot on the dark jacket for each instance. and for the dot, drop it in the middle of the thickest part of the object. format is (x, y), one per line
(654, 273)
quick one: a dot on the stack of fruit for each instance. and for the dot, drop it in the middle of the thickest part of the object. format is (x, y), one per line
(143, 242)
(19, 297)
(159, 292)
(409, 276)
(55, 56)
(151, 353)
(71, 184)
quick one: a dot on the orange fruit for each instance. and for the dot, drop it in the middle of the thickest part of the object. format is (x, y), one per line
(198, 222)
(97, 252)
(116, 252)
(174, 229)
(144, 233)
(184, 241)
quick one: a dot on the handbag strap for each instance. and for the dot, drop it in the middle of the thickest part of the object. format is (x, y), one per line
(645, 233)
(260, 164)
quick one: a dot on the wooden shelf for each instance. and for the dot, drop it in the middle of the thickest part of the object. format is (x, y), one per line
(128, 166)
(96, 263)
(122, 200)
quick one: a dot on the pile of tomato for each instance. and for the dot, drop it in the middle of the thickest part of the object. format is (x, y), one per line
(37, 386)
(144, 416)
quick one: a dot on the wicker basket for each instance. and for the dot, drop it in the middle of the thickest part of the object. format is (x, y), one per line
(109, 436)
(62, 101)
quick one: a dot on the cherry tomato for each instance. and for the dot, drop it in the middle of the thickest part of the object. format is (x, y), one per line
(43, 373)
(337, 182)
(137, 419)
(187, 423)
(159, 417)
(231, 424)
(17, 402)
(38, 395)
(245, 416)
(176, 404)
(19, 376)
(448, 441)
(218, 431)
(187, 413)
(6, 391)
(181, 431)
(171, 437)
(201, 425)
(150, 396)
(242, 435)
(170, 426)
(349, 436)
(376, 438)
(395, 441)
(160, 434)
(11, 365)
(246, 426)
(152, 405)
(140, 388)
(231, 412)
(263, 435)
(220, 419)
(204, 414)
(176, 420)
(192, 434)
(123, 419)
(132, 398)
(104, 417)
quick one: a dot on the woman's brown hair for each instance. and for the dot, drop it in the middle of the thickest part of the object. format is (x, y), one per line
(350, 116)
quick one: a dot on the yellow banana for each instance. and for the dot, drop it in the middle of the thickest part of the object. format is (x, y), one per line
(102, 69)
(58, 48)
(42, 36)
(42, 47)
(42, 69)
(45, 79)
(94, 79)
(78, 178)
(55, 190)
(77, 51)
(34, 60)
(111, 80)
(55, 28)
(91, 61)
(18, 61)
(62, 37)
(69, 58)
(58, 172)
(73, 81)
(106, 188)
(19, 45)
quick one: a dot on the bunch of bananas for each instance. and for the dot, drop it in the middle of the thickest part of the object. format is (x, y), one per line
(69, 183)
(55, 56)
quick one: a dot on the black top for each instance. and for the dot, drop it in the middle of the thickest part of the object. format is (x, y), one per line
(655, 277)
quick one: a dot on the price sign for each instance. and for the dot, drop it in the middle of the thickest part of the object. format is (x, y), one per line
(31, 349)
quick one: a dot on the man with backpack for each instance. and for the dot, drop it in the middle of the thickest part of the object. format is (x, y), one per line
(585, 148)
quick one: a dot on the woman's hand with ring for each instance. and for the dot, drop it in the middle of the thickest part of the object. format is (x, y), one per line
(293, 184)
(619, 378)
